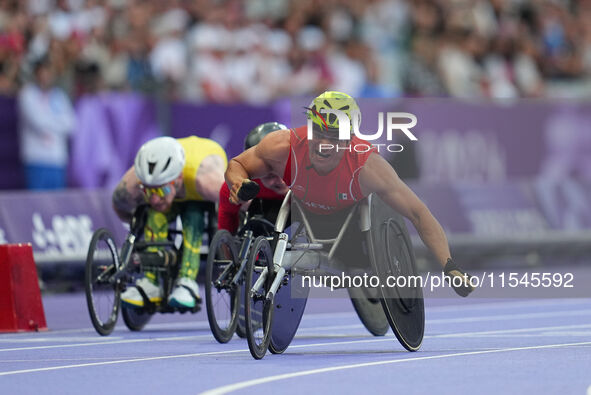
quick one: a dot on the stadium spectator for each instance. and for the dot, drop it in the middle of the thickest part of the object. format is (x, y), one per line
(258, 51)
(46, 122)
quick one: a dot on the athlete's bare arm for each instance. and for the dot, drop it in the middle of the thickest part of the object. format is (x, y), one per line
(379, 177)
(210, 177)
(267, 157)
(127, 196)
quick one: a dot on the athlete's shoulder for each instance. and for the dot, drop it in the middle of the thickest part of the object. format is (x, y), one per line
(275, 141)
(202, 146)
(196, 140)
(360, 149)
(273, 148)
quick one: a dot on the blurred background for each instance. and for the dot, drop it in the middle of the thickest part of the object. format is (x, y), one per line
(501, 90)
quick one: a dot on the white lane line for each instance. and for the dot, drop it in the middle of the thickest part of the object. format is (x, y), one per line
(175, 357)
(328, 316)
(510, 303)
(371, 340)
(117, 362)
(506, 331)
(46, 339)
(503, 317)
(269, 379)
(171, 338)
(334, 327)
(500, 317)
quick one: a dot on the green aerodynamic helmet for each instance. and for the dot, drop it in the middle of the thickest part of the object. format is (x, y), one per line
(256, 135)
(335, 101)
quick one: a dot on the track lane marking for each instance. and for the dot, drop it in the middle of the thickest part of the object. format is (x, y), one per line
(126, 341)
(264, 380)
(297, 346)
(453, 308)
(305, 330)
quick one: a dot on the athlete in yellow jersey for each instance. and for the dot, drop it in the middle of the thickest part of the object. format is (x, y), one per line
(171, 175)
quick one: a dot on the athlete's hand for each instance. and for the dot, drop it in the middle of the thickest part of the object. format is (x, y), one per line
(243, 191)
(457, 278)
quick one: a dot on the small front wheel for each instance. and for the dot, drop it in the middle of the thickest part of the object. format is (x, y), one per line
(135, 319)
(102, 296)
(258, 310)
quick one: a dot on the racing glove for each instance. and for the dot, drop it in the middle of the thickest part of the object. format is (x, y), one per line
(451, 271)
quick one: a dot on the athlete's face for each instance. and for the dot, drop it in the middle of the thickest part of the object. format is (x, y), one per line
(275, 183)
(326, 152)
(161, 197)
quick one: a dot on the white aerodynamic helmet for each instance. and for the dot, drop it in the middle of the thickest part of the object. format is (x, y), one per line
(159, 161)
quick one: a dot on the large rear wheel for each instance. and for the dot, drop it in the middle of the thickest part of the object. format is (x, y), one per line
(222, 298)
(102, 296)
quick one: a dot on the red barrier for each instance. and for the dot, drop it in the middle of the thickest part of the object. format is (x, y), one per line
(21, 308)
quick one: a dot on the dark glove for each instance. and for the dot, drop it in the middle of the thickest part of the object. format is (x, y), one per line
(452, 270)
(249, 190)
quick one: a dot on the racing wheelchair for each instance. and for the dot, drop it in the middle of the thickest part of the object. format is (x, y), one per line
(226, 264)
(275, 295)
(110, 270)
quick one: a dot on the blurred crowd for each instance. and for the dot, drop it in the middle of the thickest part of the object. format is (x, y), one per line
(258, 50)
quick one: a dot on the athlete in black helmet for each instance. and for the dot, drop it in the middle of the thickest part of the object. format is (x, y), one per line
(271, 187)
(257, 134)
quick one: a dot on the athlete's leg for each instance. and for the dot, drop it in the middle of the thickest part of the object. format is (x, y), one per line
(186, 293)
(156, 229)
(193, 224)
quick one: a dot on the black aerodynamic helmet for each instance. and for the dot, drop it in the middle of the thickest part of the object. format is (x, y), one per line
(256, 135)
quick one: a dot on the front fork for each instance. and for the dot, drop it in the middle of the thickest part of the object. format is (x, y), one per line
(278, 266)
(125, 258)
(279, 270)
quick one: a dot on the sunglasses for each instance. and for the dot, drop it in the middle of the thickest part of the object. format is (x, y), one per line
(159, 191)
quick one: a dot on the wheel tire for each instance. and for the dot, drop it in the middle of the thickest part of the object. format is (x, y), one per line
(258, 330)
(103, 299)
(222, 301)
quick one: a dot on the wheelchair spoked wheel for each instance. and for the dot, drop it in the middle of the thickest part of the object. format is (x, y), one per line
(102, 296)
(222, 298)
(135, 319)
(258, 310)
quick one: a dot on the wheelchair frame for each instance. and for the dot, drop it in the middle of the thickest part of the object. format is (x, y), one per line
(282, 270)
(121, 270)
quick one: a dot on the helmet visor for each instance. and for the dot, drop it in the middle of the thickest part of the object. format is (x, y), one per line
(160, 191)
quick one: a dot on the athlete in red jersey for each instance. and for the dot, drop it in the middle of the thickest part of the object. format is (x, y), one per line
(326, 193)
(338, 172)
(271, 186)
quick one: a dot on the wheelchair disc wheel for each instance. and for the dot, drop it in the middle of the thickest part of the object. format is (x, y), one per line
(258, 310)
(403, 304)
(135, 319)
(392, 258)
(368, 307)
(102, 297)
(222, 299)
